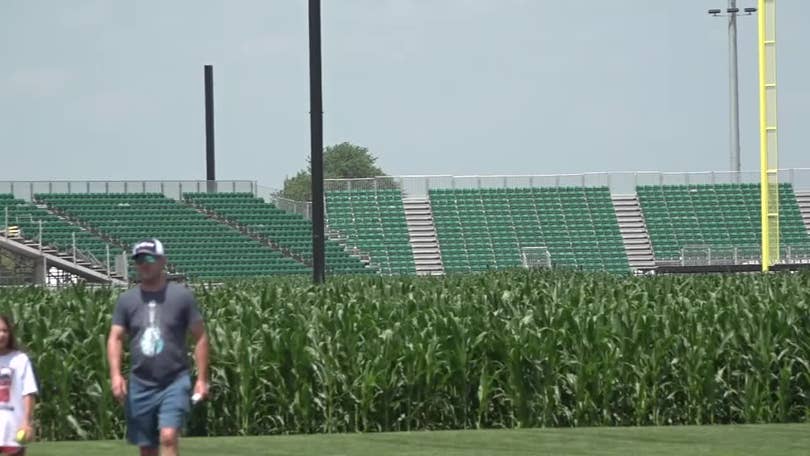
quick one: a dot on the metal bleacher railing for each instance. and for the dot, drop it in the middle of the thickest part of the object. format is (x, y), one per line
(617, 182)
(411, 185)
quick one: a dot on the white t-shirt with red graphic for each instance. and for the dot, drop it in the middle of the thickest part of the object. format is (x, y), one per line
(16, 380)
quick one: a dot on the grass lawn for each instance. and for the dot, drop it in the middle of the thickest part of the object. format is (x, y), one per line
(780, 439)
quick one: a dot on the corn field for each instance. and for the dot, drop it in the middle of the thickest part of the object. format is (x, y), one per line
(499, 350)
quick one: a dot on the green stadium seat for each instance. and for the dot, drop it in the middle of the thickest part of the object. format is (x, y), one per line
(487, 228)
(198, 246)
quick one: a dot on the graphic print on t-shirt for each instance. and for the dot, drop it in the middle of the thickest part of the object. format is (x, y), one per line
(151, 339)
(6, 376)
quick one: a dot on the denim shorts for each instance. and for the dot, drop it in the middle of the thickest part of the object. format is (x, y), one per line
(150, 409)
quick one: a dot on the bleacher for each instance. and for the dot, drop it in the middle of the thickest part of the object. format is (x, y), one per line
(374, 222)
(237, 235)
(715, 215)
(482, 229)
(197, 246)
(289, 231)
(56, 233)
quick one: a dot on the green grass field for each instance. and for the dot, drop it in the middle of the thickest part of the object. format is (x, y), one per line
(783, 440)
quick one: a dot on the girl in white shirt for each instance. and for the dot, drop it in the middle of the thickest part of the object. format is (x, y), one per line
(18, 389)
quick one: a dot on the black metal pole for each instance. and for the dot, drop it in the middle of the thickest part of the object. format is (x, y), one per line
(210, 174)
(316, 138)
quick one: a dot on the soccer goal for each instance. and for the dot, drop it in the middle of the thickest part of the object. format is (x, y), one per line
(712, 255)
(535, 257)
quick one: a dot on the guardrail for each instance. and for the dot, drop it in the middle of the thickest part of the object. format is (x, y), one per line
(26, 190)
(617, 182)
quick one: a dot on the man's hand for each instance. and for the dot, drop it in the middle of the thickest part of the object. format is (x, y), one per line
(201, 389)
(119, 388)
(201, 356)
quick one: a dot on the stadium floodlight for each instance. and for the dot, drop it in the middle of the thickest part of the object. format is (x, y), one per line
(734, 110)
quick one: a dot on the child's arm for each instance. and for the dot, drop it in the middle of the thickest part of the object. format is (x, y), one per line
(29, 401)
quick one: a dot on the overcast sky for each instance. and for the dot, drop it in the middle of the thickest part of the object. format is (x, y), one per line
(114, 89)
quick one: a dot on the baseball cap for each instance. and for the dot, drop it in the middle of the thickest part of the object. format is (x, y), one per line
(148, 247)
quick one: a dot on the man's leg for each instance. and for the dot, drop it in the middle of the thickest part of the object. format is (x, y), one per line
(141, 414)
(168, 442)
(174, 406)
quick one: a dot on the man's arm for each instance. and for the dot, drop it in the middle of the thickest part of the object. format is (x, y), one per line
(115, 350)
(200, 338)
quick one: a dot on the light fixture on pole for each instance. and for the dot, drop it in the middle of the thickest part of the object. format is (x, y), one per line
(734, 111)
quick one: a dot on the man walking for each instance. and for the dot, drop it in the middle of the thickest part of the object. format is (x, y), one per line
(157, 315)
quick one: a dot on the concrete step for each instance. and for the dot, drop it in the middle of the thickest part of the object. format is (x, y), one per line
(422, 235)
(636, 239)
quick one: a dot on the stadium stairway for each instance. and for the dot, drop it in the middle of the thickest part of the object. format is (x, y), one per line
(242, 228)
(58, 236)
(803, 199)
(634, 231)
(427, 256)
(49, 258)
(289, 233)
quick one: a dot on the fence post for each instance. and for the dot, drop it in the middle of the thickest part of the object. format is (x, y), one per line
(107, 248)
(5, 222)
(73, 240)
(40, 235)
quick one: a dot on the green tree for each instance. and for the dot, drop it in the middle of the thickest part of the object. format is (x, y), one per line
(341, 161)
(298, 187)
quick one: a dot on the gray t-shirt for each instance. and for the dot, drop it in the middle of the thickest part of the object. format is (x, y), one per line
(157, 324)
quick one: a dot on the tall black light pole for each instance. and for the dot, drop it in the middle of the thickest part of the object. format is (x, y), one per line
(210, 174)
(316, 139)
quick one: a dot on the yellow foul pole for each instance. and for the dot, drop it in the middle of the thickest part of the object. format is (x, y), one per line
(769, 164)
